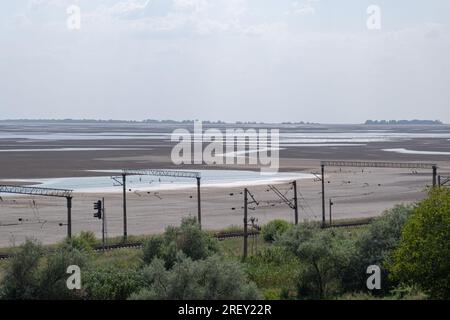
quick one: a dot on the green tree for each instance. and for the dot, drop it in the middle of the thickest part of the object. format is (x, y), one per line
(374, 246)
(423, 254)
(324, 256)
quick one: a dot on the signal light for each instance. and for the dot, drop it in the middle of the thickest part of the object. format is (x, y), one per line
(98, 207)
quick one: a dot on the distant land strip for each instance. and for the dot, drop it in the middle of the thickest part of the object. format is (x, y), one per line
(150, 121)
(404, 122)
(218, 122)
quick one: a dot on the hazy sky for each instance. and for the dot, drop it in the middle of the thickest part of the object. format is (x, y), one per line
(261, 60)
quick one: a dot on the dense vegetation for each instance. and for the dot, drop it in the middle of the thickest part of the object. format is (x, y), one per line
(423, 254)
(410, 244)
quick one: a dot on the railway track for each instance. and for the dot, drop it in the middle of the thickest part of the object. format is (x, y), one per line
(139, 244)
(220, 237)
(348, 225)
(231, 235)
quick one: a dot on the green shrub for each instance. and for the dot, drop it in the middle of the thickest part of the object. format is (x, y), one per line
(274, 229)
(423, 255)
(323, 254)
(298, 234)
(188, 238)
(22, 278)
(153, 248)
(374, 247)
(273, 267)
(271, 294)
(84, 241)
(399, 293)
(209, 279)
(53, 274)
(405, 292)
(111, 283)
(35, 274)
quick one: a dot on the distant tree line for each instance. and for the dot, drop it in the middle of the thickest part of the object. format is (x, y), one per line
(110, 121)
(150, 121)
(403, 122)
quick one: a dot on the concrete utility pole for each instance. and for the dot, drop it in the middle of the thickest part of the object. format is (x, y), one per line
(124, 185)
(69, 217)
(323, 194)
(434, 175)
(103, 223)
(199, 207)
(245, 223)
(294, 183)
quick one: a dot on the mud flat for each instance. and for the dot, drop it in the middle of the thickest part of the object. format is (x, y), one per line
(355, 192)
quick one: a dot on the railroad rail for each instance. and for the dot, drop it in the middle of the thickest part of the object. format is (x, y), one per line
(139, 244)
(347, 225)
(219, 236)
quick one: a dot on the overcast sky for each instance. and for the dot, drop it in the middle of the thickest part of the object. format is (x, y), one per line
(251, 60)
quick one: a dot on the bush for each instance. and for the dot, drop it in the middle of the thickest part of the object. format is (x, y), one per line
(84, 241)
(423, 255)
(298, 234)
(273, 267)
(21, 278)
(374, 247)
(53, 275)
(153, 248)
(188, 238)
(111, 283)
(35, 274)
(324, 256)
(209, 279)
(274, 229)
(403, 292)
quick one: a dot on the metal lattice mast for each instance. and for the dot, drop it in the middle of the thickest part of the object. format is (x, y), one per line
(373, 164)
(45, 192)
(161, 173)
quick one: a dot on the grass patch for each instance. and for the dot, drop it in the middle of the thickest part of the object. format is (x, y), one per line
(234, 247)
(124, 258)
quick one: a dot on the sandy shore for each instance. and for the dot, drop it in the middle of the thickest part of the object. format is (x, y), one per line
(355, 192)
